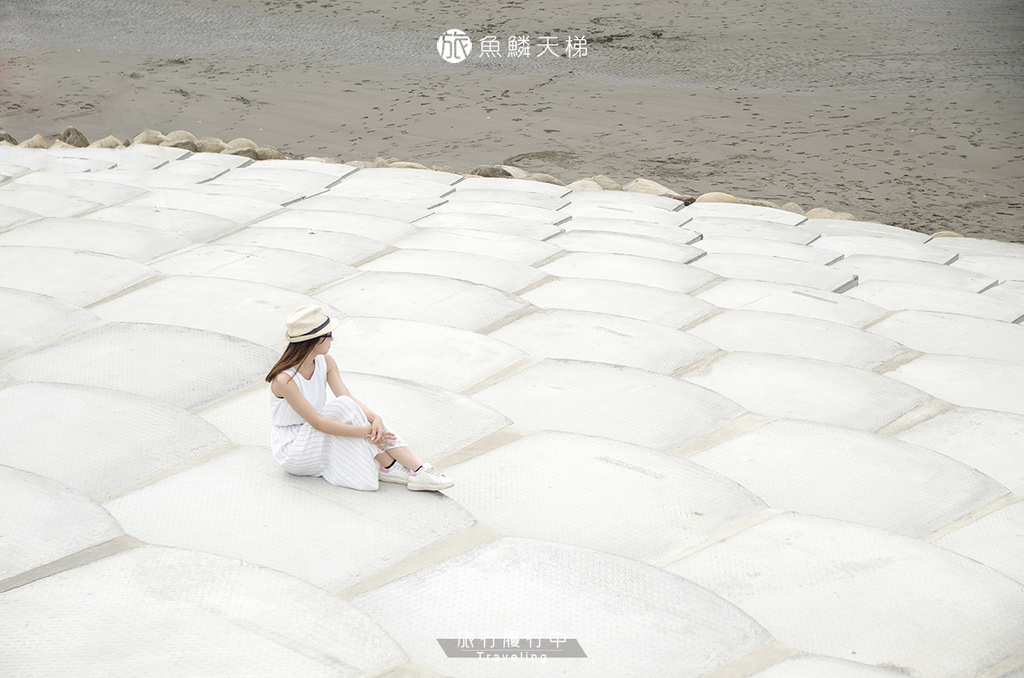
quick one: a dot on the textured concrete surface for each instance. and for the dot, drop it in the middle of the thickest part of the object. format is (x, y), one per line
(760, 462)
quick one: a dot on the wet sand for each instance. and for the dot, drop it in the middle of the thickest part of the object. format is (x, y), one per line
(908, 115)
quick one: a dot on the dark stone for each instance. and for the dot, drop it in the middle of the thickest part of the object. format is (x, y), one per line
(73, 137)
(492, 171)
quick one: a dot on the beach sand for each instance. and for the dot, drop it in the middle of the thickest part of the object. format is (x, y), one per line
(896, 112)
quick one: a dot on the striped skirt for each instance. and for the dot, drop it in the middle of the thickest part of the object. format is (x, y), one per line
(349, 462)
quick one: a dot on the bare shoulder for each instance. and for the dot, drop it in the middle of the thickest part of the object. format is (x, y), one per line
(332, 366)
(280, 381)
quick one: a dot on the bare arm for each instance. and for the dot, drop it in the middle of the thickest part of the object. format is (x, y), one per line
(339, 389)
(283, 386)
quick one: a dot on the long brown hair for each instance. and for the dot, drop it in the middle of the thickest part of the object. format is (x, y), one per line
(293, 355)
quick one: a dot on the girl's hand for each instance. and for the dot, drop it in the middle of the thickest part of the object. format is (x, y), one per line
(378, 434)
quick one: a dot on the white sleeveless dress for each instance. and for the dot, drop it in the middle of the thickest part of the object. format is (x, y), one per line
(302, 450)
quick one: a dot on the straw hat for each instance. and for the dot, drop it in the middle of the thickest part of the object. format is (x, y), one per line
(308, 322)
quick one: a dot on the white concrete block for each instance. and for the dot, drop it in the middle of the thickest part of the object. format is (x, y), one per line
(237, 308)
(512, 188)
(1009, 290)
(526, 588)
(237, 209)
(277, 194)
(156, 611)
(9, 216)
(336, 170)
(396, 176)
(971, 382)
(374, 227)
(295, 271)
(182, 367)
(964, 246)
(75, 186)
(243, 505)
(338, 247)
(869, 267)
(996, 540)
(31, 319)
(606, 488)
(193, 226)
(885, 246)
(473, 241)
(954, 334)
(424, 298)
(784, 334)
(842, 227)
(724, 244)
(486, 196)
(78, 278)
(809, 666)
(96, 440)
(483, 210)
(358, 185)
(475, 268)
(440, 356)
(631, 212)
(622, 243)
(800, 388)
(770, 231)
(287, 173)
(127, 241)
(618, 298)
(999, 267)
(741, 211)
(624, 198)
(682, 236)
(773, 269)
(666, 275)
(44, 200)
(43, 521)
(524, 228)
(620, 403)
(757, 295)
(835, 588)
(603, 338)
(902, 296)
(866, 478)
(992, 442)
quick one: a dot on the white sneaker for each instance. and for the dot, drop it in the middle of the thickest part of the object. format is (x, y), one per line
(429, 478)
(396, 474)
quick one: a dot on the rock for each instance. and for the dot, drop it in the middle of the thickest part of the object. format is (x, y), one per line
(820, 213)
(73, 137)
(794, 208)
(242, 142)
(187, 144)
(109, 141)
(393, 160)
(762, 203)
(5, 142)
(61, 144)
(716, 196)
(649, 187)
(607, 183)
(516, 172)
(685, 199)
(946, 234)
(245, 152)
(845, 216)
(35, 142)
(210, 145)
(354, 163)
(4, 136)
(181, 135)
(269, 153)
(585, 185)
(546, 178)
(408, 165)
(330, 161)
(494, 171)
(380, 162)
(444, 168)
(149, 136)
